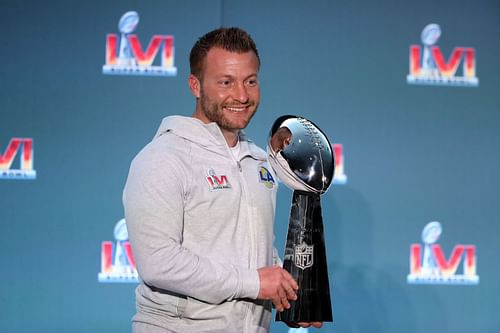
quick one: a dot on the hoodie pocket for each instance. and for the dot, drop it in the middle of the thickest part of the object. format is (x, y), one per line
(159, 303)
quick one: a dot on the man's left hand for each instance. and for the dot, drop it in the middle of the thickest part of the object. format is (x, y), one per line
(316, 324)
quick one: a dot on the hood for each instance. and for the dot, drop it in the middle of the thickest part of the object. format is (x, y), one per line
(208, 136)
(192, 129)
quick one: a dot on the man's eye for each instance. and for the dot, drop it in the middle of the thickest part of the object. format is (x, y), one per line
(225, 83)
(252, 83)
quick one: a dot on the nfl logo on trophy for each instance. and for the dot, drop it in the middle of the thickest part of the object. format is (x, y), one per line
(304, 256)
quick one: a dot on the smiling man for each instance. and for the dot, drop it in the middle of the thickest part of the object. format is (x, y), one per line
(199, 204)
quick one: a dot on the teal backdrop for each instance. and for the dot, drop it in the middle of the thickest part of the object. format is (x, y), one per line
(412, 153)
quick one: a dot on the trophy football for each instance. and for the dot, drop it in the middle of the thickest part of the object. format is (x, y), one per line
(302, 158)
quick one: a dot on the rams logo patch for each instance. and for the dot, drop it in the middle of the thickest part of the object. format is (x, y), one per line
(266, 178)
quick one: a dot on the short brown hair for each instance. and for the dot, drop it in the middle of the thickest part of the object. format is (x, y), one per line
(229, 39)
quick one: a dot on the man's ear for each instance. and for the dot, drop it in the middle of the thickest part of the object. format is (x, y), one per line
(194, 85)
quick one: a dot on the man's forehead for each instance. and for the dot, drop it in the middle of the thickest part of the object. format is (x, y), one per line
(221, 59)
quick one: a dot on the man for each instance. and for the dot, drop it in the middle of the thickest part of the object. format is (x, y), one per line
(199, 211)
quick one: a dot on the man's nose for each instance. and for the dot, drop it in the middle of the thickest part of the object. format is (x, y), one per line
(240, 93)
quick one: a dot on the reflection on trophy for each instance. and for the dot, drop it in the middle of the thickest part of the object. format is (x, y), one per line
(302, 158)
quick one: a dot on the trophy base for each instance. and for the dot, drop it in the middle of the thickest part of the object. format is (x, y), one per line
(305, 260)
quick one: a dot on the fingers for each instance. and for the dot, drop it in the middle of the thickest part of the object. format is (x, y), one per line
(282, 299)
(281, 302)
(290, 279)
(278, 304)
(288, 289)
(292, 324)
(315, 324)
(288, 292)
(277, 285)
(289, 286)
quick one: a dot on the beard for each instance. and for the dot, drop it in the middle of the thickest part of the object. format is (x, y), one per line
(215, 113)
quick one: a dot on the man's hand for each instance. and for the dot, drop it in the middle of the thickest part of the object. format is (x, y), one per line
(277, 285)
(316, 324)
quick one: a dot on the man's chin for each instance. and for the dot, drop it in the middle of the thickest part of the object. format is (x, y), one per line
(238, 123)
(232, 128)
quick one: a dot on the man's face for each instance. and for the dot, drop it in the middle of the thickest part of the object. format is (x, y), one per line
(229, 89)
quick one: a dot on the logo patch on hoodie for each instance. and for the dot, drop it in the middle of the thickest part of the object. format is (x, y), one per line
(216, 182)
(266, 177)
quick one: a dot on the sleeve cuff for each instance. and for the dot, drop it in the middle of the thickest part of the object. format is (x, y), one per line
(249, 283)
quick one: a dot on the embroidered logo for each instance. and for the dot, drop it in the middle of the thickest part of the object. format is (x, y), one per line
(304, 256)
(217, 182)
(266, 178)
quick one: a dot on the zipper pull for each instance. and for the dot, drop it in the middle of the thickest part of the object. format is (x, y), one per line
(239, 165)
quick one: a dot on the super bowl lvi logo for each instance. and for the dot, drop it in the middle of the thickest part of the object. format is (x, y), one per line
(429, 265)
(428, 64)
(126, 56)
(117, 260)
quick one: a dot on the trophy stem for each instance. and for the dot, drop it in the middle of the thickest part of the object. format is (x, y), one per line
(305, 260)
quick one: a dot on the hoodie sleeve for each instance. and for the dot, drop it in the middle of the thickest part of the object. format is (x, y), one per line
(153, 200)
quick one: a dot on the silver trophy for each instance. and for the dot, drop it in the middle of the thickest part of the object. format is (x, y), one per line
(302, 158)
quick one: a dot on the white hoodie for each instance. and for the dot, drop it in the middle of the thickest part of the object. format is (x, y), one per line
(200, 222)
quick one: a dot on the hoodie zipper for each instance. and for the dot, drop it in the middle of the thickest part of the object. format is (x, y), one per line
(253, 256)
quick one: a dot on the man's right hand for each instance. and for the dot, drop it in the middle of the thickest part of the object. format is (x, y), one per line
(277, 285)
